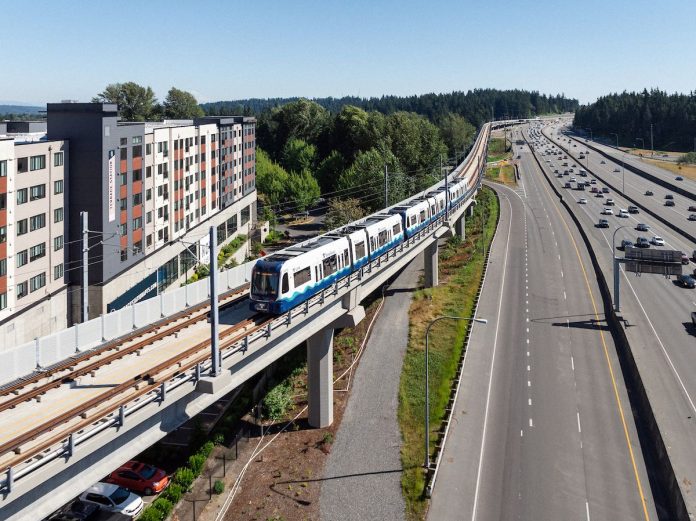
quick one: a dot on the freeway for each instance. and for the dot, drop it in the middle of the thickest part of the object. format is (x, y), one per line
(542, 424)
(656, 315)
(633, 184)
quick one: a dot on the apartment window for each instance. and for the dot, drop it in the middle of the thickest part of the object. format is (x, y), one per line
(58, 186)
(22, 227)
(137, 247)
(124, 141)
(148, 194)
(21, 258)
(149, 240)
(58, 243)
(137, 223)
(22, 195)
(137, 140)
(137, 151)
(137, 199)
(36, 252)
(3, 267)
(58, 159)
(22, 289)
(124, 154)
(124, 254)
(37, 222)
(37, 282)
(22, 165)
(124, 178)
(123, 204)
(37, 162)
(3, 168)
(58, 215)
(58, 271)
(148, 172)
(148, 149)
(3, 201)
(3, 301)
(37, 192)
(123, 229)
(148, 217)
(137, 174)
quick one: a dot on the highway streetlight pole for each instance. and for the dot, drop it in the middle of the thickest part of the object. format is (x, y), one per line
(617, 298)
(623, 169)
(427, 381)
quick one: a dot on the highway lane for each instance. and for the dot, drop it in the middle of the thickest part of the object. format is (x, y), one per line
(549, 443)
(657, 314)
(634, 185)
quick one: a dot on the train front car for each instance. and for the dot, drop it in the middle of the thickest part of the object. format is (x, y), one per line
(265, 284)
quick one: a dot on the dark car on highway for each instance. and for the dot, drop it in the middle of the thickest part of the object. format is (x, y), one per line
(692, 217)
(626, 244)
(686, 281)
(642, 242)
(648, 192)
(669, 202)
(632, 209)
(603, 223)
(669, 196)
(642, 227)
(692, 208)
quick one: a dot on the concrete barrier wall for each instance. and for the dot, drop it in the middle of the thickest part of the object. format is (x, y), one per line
(22, 360)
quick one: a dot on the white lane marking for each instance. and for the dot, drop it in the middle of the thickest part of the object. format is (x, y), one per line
(527, 353)
(529, 383)
(529, 368)
(579, 429)
(527, 319)
(521, 433)
(531, 423)
(561, 270)
(564, 295)
(490, 377)
(528, 341)
(587, 505)
(529, 401)
(527, 330)
(572, 362)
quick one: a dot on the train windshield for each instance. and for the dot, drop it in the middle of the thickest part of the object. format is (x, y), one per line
(264, 284)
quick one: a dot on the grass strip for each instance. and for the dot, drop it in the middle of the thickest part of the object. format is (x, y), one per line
(461, 270)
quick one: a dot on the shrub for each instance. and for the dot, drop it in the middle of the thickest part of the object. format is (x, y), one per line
(206, 449)
(151, 514)
(218, 486)
(327, 439)
(219, 439)
(184, 478)
(163, 505)
(195, 463)
(278, 401)
(173, 493)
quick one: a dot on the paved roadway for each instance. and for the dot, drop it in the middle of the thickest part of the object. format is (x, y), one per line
(659, 329)
(542, 428)
(634, 185)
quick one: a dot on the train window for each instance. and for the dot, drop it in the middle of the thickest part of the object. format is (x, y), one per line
(360, 249)
(346, 260)
(422, 216)
(264, 284)
(382, 237)
(433, 211)
(302, 277)
(413, 220)
(286, 284)
(330, 265)
(397, 229)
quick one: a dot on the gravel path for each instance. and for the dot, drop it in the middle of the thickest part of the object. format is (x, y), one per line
(362, 477)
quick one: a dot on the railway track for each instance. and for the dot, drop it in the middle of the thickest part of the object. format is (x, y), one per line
(73, 368)
(126, 392)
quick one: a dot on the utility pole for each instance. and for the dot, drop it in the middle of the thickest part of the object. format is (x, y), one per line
(652, 148)
(85, 266)
(447, 202)
(386, 186)
(215, 368)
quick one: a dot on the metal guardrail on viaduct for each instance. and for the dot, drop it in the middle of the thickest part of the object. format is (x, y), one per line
(45, 468)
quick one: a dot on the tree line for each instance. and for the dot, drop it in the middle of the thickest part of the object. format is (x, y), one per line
(630, 115)
(138, 103)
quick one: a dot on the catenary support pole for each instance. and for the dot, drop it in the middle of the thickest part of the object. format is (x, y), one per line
(85, 266)
(214, 336)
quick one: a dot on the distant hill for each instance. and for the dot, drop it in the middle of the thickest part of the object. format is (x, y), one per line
(20, 109)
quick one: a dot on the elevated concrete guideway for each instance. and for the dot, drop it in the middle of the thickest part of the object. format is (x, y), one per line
(82, 450)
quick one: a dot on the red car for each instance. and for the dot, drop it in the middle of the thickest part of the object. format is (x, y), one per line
(139, 477)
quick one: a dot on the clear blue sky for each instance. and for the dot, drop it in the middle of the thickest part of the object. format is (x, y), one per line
(258, 48)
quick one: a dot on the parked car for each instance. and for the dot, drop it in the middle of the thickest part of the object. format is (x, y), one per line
(686, 281)
(658, 241)
(633, 209)
(140, 477)
(649, 192)
(642, 227)
(76, 511)
(603, 223)
(113, 498)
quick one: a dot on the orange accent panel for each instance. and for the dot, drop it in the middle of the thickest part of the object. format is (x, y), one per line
(123, 191)
(137, 163)
(124, 216)
(3, 284)
(3, 217)
(137, 187)
(3, 250)
(124, 166)
(137, 211)
(3, 185)
(202, 148)
(124, 241)
(137, 235)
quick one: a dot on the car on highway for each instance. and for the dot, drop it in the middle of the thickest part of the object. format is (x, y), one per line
(626, 244)
(669, 202)
(573, 180)
(607, 211)
(593, 181)
(669, 197)
(603, 223)
(617, 170)
(605, 190)
(555, 171)
(657, 241)
(623, 213)
(633, 209)
(692, 217)
(642, 227)
(686, 281)
(684, 258)
(113, 498)
(603, 162)
(679, 178)
(567, 185)
(692, 208)
(609, 202)
(582, 200)
(693, 318)
(648, 192)
(642, 242)
(599, 194)
(139, 477)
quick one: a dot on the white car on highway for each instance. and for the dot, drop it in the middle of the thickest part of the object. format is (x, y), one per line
(658, 241)
(623, 212)
(582, 200)
(607, 211)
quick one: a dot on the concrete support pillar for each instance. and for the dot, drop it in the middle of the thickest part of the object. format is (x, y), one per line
(431, 275)
(460, 227)
(320, 378)
(469, 211)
